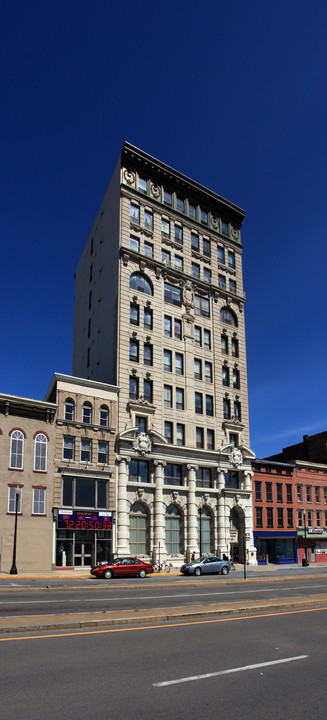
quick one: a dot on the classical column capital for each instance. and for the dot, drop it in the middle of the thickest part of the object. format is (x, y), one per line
(123, 458)
(192, 467)
(160, 463)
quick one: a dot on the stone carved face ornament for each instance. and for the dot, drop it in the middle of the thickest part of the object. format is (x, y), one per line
(142, 443)
(236, 457)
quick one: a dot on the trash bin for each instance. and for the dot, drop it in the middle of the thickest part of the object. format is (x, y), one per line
(305, 563)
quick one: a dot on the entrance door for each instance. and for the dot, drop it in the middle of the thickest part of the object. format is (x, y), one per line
(84, 548)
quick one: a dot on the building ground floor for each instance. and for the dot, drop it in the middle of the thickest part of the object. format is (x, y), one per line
(312, 545)
(275, 547)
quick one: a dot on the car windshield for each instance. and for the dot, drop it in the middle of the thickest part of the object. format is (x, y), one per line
(199, 560)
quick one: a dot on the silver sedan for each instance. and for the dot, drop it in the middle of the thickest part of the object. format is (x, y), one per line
(206, 565)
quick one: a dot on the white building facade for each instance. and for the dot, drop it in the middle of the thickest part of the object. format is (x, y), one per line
(159, 312)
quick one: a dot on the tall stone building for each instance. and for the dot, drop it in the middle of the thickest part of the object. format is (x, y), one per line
(159, 312)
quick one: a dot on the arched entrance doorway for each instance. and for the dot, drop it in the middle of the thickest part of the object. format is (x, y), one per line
(236, 533)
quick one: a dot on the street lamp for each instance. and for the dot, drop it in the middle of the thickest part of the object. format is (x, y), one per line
(305, 540)
(13, 569)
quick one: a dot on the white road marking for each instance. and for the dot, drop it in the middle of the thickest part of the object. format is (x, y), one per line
(192, 678)
(256, 591)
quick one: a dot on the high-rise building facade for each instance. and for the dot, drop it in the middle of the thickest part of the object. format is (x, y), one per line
(159, 312)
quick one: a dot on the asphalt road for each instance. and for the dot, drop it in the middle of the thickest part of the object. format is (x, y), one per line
(255, 668)
(150, 593)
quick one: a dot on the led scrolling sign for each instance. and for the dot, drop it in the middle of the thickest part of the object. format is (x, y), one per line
(70, 520)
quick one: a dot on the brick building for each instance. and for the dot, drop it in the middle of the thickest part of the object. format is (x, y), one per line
(274, 512)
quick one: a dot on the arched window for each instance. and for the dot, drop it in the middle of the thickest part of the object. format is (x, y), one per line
(204, 531)
(17, 450)
(104, 416)
(138, 529)
(69, 409)
(141, 283)
(87, 413)
(40, 452)
(173, 530)
(228, 317)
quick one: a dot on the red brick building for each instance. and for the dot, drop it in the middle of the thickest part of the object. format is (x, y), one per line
(274, 512)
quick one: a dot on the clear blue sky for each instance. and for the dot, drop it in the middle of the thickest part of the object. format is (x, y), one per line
(231, 93)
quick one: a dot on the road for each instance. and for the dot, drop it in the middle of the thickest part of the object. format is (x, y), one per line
(256, 668)
(95, 596)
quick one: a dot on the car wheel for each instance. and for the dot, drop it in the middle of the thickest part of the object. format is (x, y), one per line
(197, 571)
(142, 573)
(108, 574)
(224, 570)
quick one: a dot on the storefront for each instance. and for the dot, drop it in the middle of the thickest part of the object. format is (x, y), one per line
(83, 538)
(315, 540)
(276, 548)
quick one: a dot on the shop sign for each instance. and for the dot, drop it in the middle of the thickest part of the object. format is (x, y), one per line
(71, 520)
(315, 531)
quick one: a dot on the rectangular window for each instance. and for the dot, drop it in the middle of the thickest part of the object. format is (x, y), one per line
(221, 254)
(207, 275)
(168, 366)
(169, 431)
(210, 439)
(168, 396)
(231, 259)
(148, 219)
(233, 439)
(199, 437)
(258, 517)
(309, 518)
(141, 424)
(289, 497)
(86, 450)
(268, 491)
(209, 405)
(201, 306)
(165, 227)
(178, 262)
(168, 326)
(141, 185)
(68, 448)
(237, 410)
(191, 210)
(179, 399)
(207, 339)
(180, 204)
(204, 217)
(325, 495)
(177, 329)
(12, 491)
(289, 517)
(236, 379)
(172, 294)
(279, 492)
(208, 371)
(195, 270)
(203, 477)
(165, 257)
(133, 388)
(147, 391)
(173, 474)
(280, 517)
(147, 319)
(38, 501)
(134, 244)
(224, 228)
(318, 518)
(135, 214)
(308, 492)
(148, 249)
(197, 369)
(178, 234)
(317, 494)
(134, 350)
(102, 452)
(224, 344)
(225, 376)
(197, 336)
(232, 286)
(167, 198)
(299, 492)
(226, 409)
(300, 518)
(258, 496)
(179, 364)
(147, 354)
(138, 471)
(194, 241)
(206, 247)
(222, 282)
(198, 403)
(270, 517)
(134, 314)
(180, 434)
(234, 347)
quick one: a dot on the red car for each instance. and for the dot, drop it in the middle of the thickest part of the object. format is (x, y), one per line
(122, 566)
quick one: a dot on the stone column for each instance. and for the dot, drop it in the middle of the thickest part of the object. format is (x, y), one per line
(122, 507)
(192, 513)
(222, 540)
(251, 552)
(159, 512)
(248, 480)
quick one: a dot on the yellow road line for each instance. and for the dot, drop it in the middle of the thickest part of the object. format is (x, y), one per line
(160, 627)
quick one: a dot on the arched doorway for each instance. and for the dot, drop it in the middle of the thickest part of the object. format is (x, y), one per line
(236, 533)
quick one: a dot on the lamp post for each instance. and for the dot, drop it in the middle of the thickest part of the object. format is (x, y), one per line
(13, 569)
(305, 540)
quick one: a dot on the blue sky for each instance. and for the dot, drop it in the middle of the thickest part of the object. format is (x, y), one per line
(231, 93)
